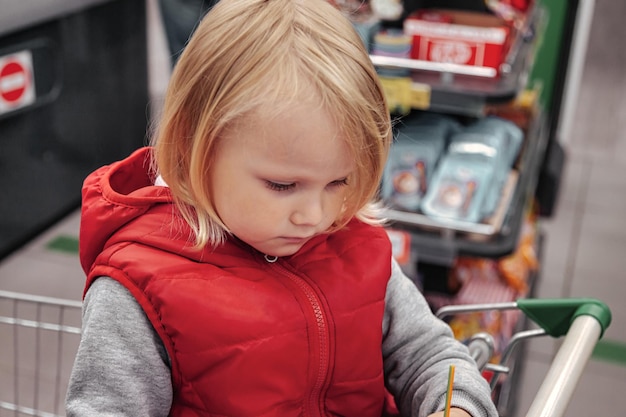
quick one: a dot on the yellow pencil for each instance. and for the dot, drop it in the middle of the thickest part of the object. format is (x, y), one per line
(449, 391)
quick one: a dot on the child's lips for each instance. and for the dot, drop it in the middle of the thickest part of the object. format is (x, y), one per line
(296, 239)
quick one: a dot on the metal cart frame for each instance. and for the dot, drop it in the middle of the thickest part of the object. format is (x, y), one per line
(38, 340)
(582, 322)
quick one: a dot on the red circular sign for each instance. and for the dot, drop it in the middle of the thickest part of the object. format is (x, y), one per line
(13, 81)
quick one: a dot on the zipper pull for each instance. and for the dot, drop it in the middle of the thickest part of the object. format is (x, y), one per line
(270, 259)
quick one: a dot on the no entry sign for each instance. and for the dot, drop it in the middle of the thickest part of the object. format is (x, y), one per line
(17, 87)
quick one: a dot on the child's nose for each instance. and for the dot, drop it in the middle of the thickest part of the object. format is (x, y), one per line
(309, 212)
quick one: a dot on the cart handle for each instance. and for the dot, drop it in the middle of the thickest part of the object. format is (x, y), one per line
(567, 367)
(556, 315)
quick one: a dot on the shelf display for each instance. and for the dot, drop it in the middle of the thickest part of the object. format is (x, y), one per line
(420, 143)
(458, 37)
(471, 139)
(468, 182)
(441, 241)
(450, 81)
(475, 202)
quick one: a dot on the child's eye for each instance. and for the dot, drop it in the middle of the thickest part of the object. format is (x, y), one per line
(341, 182)
(277, 186)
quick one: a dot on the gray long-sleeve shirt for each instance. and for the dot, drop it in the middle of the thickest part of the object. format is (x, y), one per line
(122, 367)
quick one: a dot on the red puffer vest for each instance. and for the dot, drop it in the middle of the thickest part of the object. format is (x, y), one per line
(298, 337)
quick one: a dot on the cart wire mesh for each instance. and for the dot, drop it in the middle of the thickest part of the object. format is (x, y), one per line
(39, 337)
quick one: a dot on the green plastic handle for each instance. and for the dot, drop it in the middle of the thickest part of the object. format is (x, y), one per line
(555, 315)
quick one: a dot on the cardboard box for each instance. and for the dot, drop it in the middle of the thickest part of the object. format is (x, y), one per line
(458, 37)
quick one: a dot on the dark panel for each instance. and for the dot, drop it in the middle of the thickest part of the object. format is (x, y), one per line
(91, 109)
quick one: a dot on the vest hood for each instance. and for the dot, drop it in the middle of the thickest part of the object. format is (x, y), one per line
(112, 197)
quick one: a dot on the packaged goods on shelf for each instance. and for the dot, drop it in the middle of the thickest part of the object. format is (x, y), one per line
(396, 82)
(467, 185)
(507, 139)
(510, 10)
(458, 37)
(515, 269)
(392, 43)
(404, 254)
(485, 281)
(479, 282)
(522, 110)
(459, 188)
(419, 144)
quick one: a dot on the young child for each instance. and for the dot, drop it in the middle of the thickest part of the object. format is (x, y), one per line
(238, 266)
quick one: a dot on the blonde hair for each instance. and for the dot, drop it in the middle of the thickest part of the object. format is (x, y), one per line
(251, 53)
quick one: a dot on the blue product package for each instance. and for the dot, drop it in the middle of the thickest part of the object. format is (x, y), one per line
(507, 132)
(479, 148)
(507, 138)
(419, 144)
(458, 189)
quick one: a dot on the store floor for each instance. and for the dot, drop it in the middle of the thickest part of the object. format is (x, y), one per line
(585, 242)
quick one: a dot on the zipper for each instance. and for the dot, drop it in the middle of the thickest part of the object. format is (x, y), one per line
(315, 406)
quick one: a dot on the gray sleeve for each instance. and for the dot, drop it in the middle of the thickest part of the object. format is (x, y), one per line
(418, 350)
(121, 368)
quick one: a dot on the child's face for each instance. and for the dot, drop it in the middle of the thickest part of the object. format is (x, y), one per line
(279, 181)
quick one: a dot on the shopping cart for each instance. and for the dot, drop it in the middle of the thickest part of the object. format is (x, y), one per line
(39, 337)
(582, 322)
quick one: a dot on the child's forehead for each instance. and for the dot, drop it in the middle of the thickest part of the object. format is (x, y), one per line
(302, 140)
(273, 110)
(290, 119)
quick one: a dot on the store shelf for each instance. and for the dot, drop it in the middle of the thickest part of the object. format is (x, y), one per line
(466, 90)
(440, 242)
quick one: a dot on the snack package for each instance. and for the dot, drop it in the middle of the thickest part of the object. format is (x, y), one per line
(392, 43)
(516, 268)
(506, 131)
(506, 138)
(420, 142)
(461, 37)
(458, 189)
(481, 283)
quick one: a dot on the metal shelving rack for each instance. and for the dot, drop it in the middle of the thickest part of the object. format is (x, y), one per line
(440, 242)
(467, 91)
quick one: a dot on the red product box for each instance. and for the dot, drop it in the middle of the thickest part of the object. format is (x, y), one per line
(458, 37)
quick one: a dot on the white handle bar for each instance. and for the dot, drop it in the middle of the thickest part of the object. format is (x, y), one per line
(558, 386)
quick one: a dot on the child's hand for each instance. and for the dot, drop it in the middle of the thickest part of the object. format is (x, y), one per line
(454, 412)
